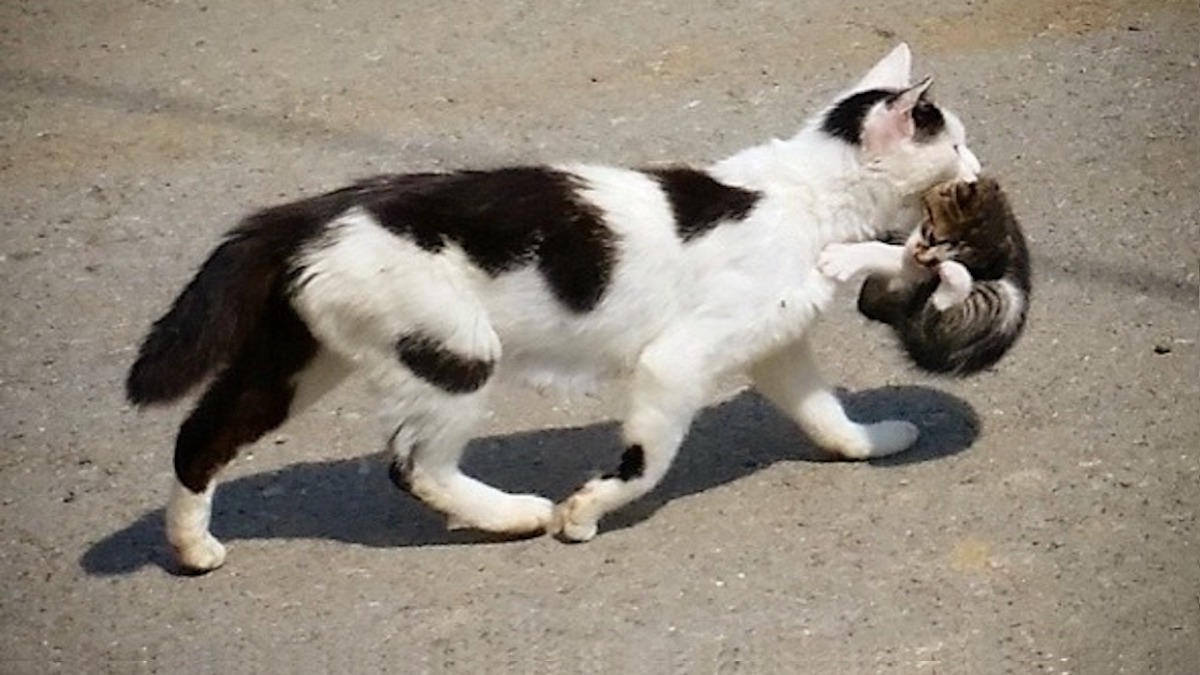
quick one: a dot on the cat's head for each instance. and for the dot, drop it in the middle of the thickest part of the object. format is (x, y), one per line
(898, 131)
(964, 220)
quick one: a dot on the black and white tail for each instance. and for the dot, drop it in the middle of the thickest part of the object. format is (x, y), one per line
(222, 309)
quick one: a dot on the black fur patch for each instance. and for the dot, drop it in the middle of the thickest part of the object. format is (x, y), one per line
(249, 398)
(504, 220)
(217, 313)
(442, 368)
(846, 119)
(633, 464)
(928, 120)
(700, 202)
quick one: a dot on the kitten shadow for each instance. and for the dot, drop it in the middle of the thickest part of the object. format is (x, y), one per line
(352, 500)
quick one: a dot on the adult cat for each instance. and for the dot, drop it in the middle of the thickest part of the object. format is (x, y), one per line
(437, 285)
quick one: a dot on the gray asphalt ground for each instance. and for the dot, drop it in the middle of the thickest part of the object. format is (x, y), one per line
(1046, 522)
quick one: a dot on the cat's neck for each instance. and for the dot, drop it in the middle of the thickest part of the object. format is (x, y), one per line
(822, 183)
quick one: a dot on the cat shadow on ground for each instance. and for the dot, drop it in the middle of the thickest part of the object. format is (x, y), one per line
(352, 500)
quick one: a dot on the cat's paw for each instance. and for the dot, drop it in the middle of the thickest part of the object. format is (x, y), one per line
(512, 516)
(199, 555)
(569, 526)
(878, 440)
(529, 515)
(577, 519)
(840, 262)
(891, 436)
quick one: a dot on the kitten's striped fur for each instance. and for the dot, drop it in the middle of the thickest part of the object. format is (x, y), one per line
(969, 224)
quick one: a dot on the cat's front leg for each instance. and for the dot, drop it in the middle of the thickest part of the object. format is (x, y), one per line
(789, 378)
(669, 385)
(844, 262)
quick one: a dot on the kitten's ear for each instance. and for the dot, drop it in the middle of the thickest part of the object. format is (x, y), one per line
(890, 123)
(965, 191)
(892, 71)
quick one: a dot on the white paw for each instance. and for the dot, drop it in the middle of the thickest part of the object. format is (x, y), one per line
(530, 514)
(577, 518)
(569, 527)
(519, 515)
(200, 555)
(891, 436)
(839, 262)
(880, 440)
(954, 286)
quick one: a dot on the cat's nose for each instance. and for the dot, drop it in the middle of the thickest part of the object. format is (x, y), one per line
(968, 165)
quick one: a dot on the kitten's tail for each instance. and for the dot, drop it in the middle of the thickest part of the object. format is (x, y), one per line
(218, 313)
(971, 336)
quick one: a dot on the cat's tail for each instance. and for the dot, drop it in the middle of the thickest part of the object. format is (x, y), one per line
(219, 312)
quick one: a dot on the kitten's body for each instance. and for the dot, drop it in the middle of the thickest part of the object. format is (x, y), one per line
(436, 285)
(959, 299)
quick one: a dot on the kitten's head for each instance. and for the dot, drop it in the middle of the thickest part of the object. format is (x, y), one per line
(899, 132)
(965, 221)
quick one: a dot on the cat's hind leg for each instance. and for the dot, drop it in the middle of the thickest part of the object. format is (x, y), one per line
(252, 396)
(433, 399)
(413, 321)
(668, 387)
(789, 378)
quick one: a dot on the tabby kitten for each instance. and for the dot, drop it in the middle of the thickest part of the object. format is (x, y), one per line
(959, 298)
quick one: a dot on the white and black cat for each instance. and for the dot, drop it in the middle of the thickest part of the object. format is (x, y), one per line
(436, 286)
(956, 294)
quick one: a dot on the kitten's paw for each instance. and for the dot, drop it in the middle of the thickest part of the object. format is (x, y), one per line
(953, 287)
(839, 262)
(200, 555)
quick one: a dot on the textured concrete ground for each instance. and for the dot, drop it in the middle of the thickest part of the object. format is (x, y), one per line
(1047, 522)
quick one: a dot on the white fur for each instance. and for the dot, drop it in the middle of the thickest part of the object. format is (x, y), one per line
(674, 318)
(1014, 305)
(954, 285)
(188, 515)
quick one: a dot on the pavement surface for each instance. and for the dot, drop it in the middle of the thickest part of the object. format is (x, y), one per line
(1045, 523)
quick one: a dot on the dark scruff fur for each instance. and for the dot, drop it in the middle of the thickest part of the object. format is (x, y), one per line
(972, 224)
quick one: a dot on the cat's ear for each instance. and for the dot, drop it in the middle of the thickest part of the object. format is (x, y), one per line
(892, 71)
(891, 123)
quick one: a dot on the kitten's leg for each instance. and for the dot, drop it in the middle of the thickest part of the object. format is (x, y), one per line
(954, 286)
(666, 392)
(789, 378)
(252, 397)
